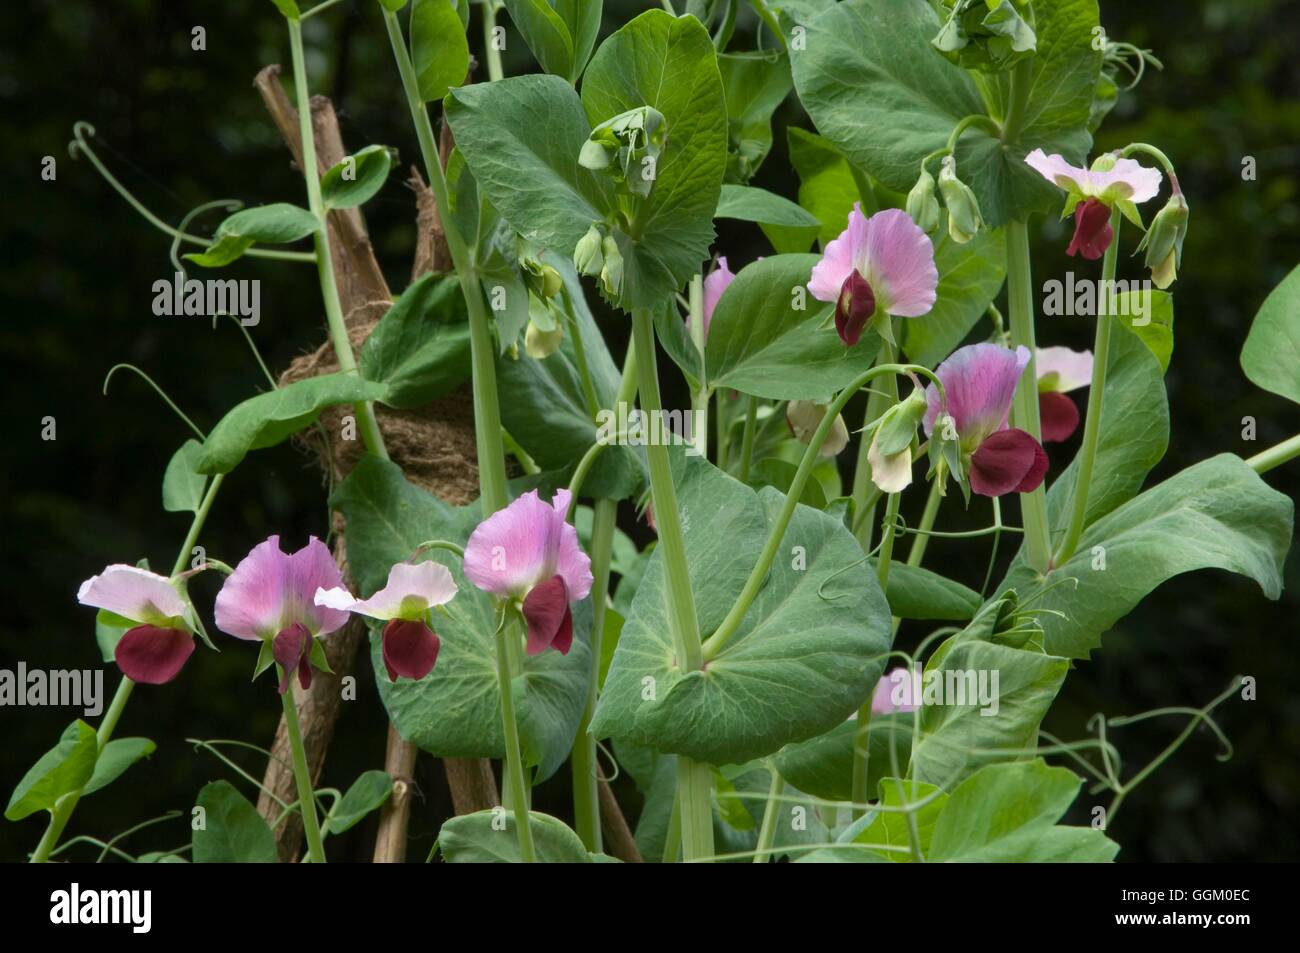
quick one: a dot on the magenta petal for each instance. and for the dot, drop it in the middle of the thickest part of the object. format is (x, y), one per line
(311, 568)
(529, 541)
(839, 258)
(409, 648)
(270, 590)
(980, 380)
(152, 655)
(853, 308)
(714, 284)
(899, 261)
(550, 623)
(1009, 461)
(292, 650)
(1058, 416)
(1092, 231)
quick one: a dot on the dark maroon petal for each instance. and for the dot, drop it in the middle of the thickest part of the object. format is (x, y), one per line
(854, 307)
(546, 609)
(152, 655)
(1058, 416)
(564, 634)
(292, 650)
(1092, 231)
(1009, 461)
(410, 649)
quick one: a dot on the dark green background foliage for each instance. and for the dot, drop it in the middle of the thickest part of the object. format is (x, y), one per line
(182, 127)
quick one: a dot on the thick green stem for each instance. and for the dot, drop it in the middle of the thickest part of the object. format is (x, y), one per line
(62, 812)
(700, 399)
(586, 795)
(747, 439)
(922, 538)
(301, 774)
(338, 328)
(515, 779)
(490, 51)
(1276, 455)
(695, 782)
(1033, 506)
(1096, 394)
(767, 831)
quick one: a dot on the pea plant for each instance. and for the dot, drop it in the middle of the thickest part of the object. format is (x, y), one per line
(778, 672)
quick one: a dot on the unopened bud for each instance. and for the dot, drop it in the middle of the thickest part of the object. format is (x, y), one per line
(922, 204)
(964, 218)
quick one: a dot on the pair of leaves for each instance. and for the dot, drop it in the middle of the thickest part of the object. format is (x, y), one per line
(561, 34)
(277, 224)
(875, 87)
(75, 764)
(809, 650)
(456, 710)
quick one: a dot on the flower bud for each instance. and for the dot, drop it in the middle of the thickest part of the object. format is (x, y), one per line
(964, 218)
(1164, 240)
(804, 417)
(539, 344)
(611, 274)
(922, 205)
(542, 279)
(587, 256)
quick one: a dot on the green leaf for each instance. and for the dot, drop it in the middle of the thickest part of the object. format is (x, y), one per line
(276, 224)
(419, 350)
(489, 837)
(827, 187)
(823, 766)
(970, 277)
(668, 63)
(1007, 813)
(991, 716)
(114, 759)
(878, 91)
(183, 485)
(439, 50)
(456, 711)
(288, 7)
(918, 593)
(368, 793)
(546, 34)
(807, 653)
(788, 227)
(582, 18)
(357, 178)
(1271, 355)
(548, 413)
(268, 419)
(63, 769)
(1216, 514)
(521, 138)
(755, 85)
(892, 828)
(760, 344)
(1155, 325)
(233, 832)
(108, 633)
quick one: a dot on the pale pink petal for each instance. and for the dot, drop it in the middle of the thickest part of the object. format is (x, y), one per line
(715, 283)
(897, 259)
(1072, 369)
(133, 593)
(896, 691)
(980, 380)
(410, 591)
(838, 260)
(251, 601)
(572, 564)
(1128, 179)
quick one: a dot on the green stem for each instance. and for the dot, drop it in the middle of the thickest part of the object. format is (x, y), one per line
(1276, 455)
(767, 831)
(1096, 393)
(338, 328)
(306, 797)
(695, 782)
(586, 794)
(62, 812)
(673, 839)
(864, 514)
(515, 779)
(1033, 506)
(490, 52)
(747, 439)
(700, 399)
(917, 552)
(1021, 80)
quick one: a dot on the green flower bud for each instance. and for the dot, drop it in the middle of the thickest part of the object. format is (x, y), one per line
(803, 417)
(587, 256)
(542, 279)
(611, 274)
(1164, 239)
(964, 218)
(539, 344)
(922, 204)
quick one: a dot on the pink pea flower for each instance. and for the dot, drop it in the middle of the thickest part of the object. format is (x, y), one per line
(1060, 370)
(158, 646)
(271, 596)
(980, 381)
(529, 553)
(1091, 193)
(878, 265)
(897, 691)
(410, 647)
(715, 283)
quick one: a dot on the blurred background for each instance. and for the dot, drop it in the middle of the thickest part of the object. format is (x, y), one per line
(181, 127)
